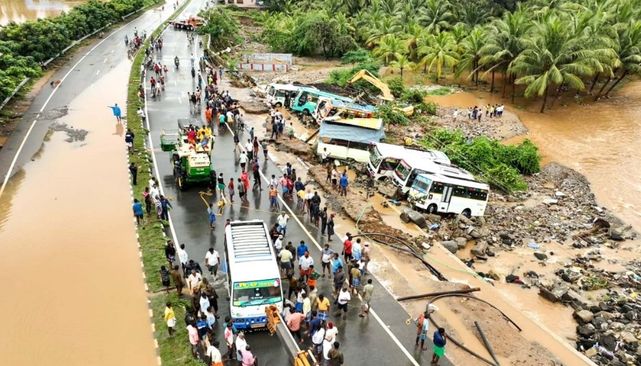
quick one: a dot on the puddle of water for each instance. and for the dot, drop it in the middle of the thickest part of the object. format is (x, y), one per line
(70, 265)
(20, 11)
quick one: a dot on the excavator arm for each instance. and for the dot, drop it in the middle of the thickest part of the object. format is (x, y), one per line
(364, 74)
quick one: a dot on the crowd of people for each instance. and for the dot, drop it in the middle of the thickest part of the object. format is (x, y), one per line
(318, 291)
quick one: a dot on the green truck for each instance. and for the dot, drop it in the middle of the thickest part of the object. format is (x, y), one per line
(192, 162)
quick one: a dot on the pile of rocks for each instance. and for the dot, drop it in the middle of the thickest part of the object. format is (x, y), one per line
(501, 128)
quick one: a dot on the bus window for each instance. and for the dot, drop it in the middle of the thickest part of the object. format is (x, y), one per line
(459, 191)
(375, 156)
(389, 164)
(358, 145)
(413, 175)
(402, 171)
(303, 99)
(477, 194)
(422, 184)
(437, 188)
(256, 293)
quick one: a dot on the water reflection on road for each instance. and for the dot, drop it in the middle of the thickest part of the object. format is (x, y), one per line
(73, 287)
(20, 11)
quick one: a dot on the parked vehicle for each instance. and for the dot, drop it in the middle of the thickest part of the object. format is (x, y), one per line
(384, 158)
(307, 99)
(329, 107)
(349, 138)
(436, 193)
(279, 95)
(411, 166)
(191, 160)
(254, 277)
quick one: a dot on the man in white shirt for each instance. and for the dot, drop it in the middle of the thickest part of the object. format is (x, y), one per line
(214, 354)
(278, 243)
(285, 260)
(193, 281)
(324, 155)
(243, 160)
(305, 264)
(344, 297)
(212, 260)
(282, 222)
(183, 257)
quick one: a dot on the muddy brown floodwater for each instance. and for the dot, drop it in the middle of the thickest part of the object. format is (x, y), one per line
(597, 139)
(73, 291)
(20, 11)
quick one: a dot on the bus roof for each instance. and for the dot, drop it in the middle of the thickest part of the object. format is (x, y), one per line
(321, 93)
(290, 87)
(353, 106)
(417, 161)
(450, 180)
(250, 252)
(368, 123)
(399, 152)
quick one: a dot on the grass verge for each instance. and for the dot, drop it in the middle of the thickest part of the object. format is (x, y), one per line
(174, 350)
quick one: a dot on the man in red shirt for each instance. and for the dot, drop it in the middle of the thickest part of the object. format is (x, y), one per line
(294, 321)
(347, 248)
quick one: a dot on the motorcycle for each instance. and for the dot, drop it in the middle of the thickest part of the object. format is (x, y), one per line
(177, 62)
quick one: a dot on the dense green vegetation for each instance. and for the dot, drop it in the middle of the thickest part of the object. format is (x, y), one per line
(540, 48)
(499, 165)
(24, 46)
(222, 27)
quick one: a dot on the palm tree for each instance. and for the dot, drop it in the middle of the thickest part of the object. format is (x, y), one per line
(553, 56)
(504, 44)
(435, 15)
(471, 53)
(413, 33)
(628, 54)
(402, 63)
(437, 53)
(390, 46)
(379, 29)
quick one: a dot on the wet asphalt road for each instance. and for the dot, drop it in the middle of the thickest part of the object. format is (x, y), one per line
(363, 341)
(88, 64)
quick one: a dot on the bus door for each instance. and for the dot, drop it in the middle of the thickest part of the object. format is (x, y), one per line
(446, 197)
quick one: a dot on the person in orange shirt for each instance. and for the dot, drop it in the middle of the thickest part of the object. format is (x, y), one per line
(209, 115)
(273, 194)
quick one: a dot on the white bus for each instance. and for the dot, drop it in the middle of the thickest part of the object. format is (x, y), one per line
(435, 193)
(411, 166)
(384, 158)
(253, 274)
(279, 95)
(349, 138)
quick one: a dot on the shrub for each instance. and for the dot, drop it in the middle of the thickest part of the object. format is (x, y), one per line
(397, 87)
(391, 115)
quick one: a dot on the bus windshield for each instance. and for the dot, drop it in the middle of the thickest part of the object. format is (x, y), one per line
(254, 293)
(375, 156)
(403, 171)
(422, 184)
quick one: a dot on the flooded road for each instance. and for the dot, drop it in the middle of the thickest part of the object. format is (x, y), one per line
(20, 11)
(597, 139)
(74, 292)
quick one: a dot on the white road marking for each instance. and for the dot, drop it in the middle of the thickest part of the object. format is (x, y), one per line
(98, 72)
(33, 124)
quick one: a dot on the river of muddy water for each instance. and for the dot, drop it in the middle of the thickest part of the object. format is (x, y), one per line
(73, 288)
(598, 139)
(20, 11)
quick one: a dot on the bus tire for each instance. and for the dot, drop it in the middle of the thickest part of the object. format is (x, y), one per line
(279, 104)
(432, 209)
(467, 213)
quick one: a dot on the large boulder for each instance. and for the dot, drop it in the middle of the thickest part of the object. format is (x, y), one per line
(450, 245)
(480, 248)
(415, 217)
(554, 293)
(461, 242)
(583, 316)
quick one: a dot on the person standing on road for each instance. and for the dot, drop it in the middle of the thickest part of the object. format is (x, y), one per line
(440, 339)
(148, 201)
(330, 227)
(240, 344)
(339, 281)
(323, 220)
(322, 307)
(230, 188)
(301, 249)
(165, 207)
(170, 251)
(273, 194)
(165, 278)
(335, 355)
(212, 261)
(294, 322)
(285, 256)
(133, 169)
(347, 248)
(243, 160)
(305, 265)
(179, 280)
(282, 222)
(170, 318)
(343, 299)
(242, 190)
(221, 184)
(138, 211)
(193, 281)
(213, 353)
(192, 333)
(421, 328)
(330, 337)
(117, 112)
(366, 257)
(256, 172)
(211, 215)
(326, 257)
(367, 298)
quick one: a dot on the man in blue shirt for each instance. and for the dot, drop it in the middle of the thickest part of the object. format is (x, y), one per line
(302, 248)
(343, 184)
(439, 345)
(117, 112)
(138, 211)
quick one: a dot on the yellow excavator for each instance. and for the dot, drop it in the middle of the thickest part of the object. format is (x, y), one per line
(386, 94)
